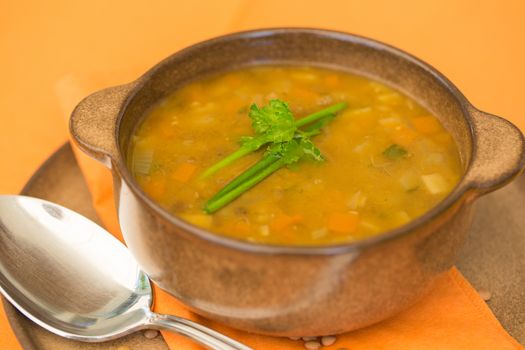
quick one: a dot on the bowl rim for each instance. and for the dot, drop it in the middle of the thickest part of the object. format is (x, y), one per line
(458, 193)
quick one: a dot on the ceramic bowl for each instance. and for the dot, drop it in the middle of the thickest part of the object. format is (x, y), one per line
(287, 290)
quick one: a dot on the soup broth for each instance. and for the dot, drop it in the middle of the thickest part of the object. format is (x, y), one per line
(387, 160)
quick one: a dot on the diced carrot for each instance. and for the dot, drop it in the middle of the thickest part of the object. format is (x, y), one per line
(343, 222)
(333, 80)
(426, 125)
(183, 172)
(283, 221)
(155, 188)
(403, 136)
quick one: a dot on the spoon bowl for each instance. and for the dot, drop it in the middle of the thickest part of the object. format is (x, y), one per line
(73, 278)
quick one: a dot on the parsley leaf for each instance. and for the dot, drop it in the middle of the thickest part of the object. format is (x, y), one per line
(276, 156)
(274, 121)
(395, 152)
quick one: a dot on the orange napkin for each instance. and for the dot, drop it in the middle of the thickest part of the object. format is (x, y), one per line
(451, 316)
(46, 40)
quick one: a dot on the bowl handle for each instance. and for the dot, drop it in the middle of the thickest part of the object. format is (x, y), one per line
(93, 122)
(499, 152)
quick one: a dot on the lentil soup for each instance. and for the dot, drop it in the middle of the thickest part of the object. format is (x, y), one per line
(387, 160)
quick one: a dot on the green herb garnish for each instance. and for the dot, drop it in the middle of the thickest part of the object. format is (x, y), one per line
(395, 152)
(271, 123)
(278, 155)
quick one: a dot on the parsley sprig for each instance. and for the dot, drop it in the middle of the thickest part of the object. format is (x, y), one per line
(274, 124)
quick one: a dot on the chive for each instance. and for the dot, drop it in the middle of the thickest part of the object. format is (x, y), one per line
(241, 152)
(395, 152)
(254, 169)
(315, 128)
(213, 206)
(261, 140)
(278, 154)
(217, 202)
(320, 114)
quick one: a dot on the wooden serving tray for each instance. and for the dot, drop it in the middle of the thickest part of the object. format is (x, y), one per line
(492, 259)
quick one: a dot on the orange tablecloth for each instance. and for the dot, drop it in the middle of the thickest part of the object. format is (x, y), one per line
(52, 52)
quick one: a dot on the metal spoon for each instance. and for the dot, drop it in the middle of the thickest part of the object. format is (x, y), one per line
(76, 280)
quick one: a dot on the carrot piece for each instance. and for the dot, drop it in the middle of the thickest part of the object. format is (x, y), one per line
(426, 125)
(343, 222)
(283, 221)
(155, 188)
(404, 136)
(183, 172)
(332, 80)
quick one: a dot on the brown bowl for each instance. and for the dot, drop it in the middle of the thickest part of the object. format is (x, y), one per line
(287, 290)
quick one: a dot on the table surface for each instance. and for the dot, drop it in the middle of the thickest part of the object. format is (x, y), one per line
(55, 52)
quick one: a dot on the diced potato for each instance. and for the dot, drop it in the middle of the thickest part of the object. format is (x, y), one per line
(435, 183)
(370, 227)
(401, 218)
(201, 220)
(435, 158)
(409, 181)
(358, 200)
(319, 233)
(363, 146)
(264, 230)
(390, 122)
(391, 98)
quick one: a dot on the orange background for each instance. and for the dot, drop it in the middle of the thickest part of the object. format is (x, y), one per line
(44, 45)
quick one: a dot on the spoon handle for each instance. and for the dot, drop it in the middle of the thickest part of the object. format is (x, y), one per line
(201, 334)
